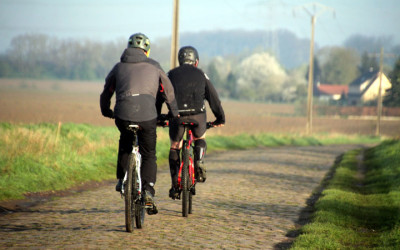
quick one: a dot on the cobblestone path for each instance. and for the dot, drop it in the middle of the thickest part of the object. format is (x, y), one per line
(251, 200)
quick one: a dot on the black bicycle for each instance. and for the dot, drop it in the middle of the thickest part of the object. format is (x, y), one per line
(135, 207)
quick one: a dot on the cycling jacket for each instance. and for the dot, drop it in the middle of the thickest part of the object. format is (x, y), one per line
(192, 87)
(136, 81)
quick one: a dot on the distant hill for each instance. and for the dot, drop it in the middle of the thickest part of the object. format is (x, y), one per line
(290, 50)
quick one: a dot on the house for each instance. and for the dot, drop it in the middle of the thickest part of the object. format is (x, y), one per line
(329, 92)
(366, 87)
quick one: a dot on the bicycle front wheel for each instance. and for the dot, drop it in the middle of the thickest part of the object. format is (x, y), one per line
(185, 181)
(129, 197)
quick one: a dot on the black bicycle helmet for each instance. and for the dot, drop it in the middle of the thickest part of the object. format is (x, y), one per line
(188, 55)
(140, 41)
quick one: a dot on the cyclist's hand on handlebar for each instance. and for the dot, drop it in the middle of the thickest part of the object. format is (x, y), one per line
(217, 125)
(214, 124)
(163, 120)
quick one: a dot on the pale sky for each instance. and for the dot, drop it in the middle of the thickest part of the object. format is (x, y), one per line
(109, 20)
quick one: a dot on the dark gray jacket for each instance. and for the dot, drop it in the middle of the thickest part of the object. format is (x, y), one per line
(137, 82)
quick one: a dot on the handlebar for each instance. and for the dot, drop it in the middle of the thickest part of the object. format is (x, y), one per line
(163, 121)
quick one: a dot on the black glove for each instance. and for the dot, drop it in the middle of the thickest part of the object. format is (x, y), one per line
(163, 120)
(109, 113)
(218, 122)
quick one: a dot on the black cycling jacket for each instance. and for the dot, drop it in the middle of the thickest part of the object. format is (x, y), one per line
(192, 87)
(137, 81)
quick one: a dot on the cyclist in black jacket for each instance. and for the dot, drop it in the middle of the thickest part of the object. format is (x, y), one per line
(137, 81)
(192, 86)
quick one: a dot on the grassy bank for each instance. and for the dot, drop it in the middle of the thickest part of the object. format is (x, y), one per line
(46, 157)
(360, 208)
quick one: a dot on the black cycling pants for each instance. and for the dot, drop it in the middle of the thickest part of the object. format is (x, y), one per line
(147, 136)
(176, 130)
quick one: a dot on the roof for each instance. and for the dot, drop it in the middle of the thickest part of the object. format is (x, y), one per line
(371, 76)
(328, 89)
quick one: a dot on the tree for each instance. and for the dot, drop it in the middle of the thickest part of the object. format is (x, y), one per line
(317, 71)
(260, 78)
(362, 43)
(392, 97)
(295, 86)
(231, 85)
(42, 56)
(213, 74)
(339, 65)
(368, 63)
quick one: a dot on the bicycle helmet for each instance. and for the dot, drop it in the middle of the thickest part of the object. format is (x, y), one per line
(188, 55)
(140, 41)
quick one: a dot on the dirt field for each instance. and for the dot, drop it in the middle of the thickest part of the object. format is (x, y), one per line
(30, 101)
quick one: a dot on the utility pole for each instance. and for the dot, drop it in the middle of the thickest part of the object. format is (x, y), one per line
(379, 111)
(175, 35)
(310, 80)
(310, 94)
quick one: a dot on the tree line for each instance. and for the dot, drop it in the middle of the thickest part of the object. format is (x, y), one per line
(254, 74)
(41, 56)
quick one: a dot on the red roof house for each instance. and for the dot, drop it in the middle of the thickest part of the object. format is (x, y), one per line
(331, 92)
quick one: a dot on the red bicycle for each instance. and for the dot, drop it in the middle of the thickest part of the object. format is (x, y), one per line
(186, 175)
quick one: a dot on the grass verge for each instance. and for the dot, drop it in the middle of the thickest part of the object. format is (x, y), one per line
(360, 208)
(49, 157)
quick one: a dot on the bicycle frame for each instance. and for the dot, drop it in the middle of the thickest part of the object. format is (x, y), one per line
(188, 142)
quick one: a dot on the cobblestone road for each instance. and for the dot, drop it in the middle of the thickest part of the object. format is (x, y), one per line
(251, 200)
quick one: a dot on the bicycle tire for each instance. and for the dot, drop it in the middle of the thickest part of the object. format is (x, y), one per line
(139, 208)
(190, 203)
(190, 185)
(129, 199)
(185, 181)
(190, 180)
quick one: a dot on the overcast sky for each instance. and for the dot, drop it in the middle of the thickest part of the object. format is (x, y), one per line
(109, 20)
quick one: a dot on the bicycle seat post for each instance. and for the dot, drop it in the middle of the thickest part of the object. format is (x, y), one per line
(134, 128)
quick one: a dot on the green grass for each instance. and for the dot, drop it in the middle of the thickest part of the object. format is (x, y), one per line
(40, 157)
(359, 211)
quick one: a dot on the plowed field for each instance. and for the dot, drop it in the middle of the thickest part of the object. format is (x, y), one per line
(32, 101)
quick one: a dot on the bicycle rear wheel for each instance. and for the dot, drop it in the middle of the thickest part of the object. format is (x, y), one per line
(139, 204)
(190, 186)
(185, 181)
(129, 197)
(190, 203)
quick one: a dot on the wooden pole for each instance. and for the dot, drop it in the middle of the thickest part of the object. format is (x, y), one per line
(379, 104)
(313, 15)
(310, 80)
(174, 37)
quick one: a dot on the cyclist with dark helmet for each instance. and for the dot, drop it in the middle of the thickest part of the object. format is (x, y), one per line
(137, 81)
(192, 86)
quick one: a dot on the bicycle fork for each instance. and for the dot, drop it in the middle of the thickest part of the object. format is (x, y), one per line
(138, 161)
